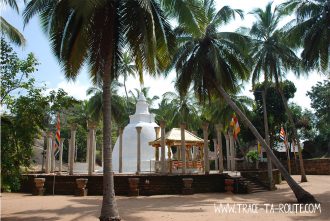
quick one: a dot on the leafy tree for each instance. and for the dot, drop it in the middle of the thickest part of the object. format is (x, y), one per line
(7, 29)
(18, 131)
(96, 33)
(212, 62)
(15, 72)
(320, 97)
(310, 29)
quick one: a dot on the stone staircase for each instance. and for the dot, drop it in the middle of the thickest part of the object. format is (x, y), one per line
(254, 185)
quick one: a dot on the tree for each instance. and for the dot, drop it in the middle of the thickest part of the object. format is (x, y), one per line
(272, 55)
(15, 72)
(96, 33)
(310, 29)
(319, 96)
(127, 68)
(18, 132)
(7, 29)
(212, 62)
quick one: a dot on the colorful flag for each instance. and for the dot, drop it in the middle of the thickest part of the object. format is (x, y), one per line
(282, 134)
(259, 148)
(58, 133)
(234, 123)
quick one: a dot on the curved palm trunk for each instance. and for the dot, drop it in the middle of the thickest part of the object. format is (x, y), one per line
(295, 135)
(269, 161)
(302, 195)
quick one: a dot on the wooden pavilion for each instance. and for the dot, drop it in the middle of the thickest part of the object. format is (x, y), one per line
(175, 159)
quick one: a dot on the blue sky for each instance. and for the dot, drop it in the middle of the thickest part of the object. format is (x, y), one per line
(49, 70)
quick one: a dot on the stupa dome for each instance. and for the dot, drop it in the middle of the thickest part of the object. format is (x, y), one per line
(144, 119)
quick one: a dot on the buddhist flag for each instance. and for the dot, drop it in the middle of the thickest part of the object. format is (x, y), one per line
(58, 133)
(259, 148)
(234, 123)
(282, 134)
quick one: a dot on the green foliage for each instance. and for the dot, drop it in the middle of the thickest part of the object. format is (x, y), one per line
(18, 131)
(15, 72)
(252, 155)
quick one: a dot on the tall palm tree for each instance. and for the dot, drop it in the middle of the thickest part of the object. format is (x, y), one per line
(95, 33)
(272, 58)
(267, 54)
(7, 29)
(310, 29)
(212, 62)
(128, 68)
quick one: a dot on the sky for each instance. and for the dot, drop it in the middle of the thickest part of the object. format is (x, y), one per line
(50, 73)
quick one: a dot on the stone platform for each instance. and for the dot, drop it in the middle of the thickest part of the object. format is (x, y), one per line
(149, 184)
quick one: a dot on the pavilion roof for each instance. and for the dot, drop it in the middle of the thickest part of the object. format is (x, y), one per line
(173, 138)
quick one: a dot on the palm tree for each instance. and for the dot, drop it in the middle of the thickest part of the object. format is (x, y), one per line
(128, 68)
(212, 62)
(119, 112)
(145, 92)
(95, 33)
(267, 53)
(184, 109)
(310, 29)
(7, 29)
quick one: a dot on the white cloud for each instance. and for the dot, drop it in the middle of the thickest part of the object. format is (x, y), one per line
(75, 89)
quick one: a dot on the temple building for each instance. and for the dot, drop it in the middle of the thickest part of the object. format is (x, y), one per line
(142, 118)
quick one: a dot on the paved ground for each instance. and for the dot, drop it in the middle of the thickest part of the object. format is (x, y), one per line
(172, 207)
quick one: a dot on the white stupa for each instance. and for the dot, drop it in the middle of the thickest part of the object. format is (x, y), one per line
(144, 119)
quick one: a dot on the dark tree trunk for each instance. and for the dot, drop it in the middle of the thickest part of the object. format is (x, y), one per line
(294, 130)
(302, 195)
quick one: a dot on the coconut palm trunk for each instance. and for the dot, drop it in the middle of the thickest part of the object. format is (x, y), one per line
(294, 130)
(109, 209)
(269, 161)
(302, 195)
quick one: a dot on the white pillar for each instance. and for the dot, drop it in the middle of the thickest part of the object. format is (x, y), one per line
(157, 129)
(183, 147)
(228, 152)
(219, 137)
(138, 146)
(48, 152)
(232, 151)
(163, 167)
(120, 150)
(91, 134)
(206, 148)
(73, 145)
(216, 154)
(61, 154)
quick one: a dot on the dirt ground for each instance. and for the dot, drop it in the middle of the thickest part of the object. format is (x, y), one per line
(211, 206)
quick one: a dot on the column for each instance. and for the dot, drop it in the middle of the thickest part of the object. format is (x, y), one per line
(228, 152)
(162, 143)
(157, 129)
(73, 145)
(69, 153)
(138, 160)
(61, 154)
(48, 152)
(183, 147)
(52, 167)
(120, 131)
(206, 148)
(91, 133)
(219, 137)
(232, 151)
(216, 153)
